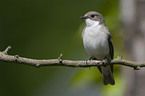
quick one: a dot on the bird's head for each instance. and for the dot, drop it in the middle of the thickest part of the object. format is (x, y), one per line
(93, 17)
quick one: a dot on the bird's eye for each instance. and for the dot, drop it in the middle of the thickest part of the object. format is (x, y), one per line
(93, 16)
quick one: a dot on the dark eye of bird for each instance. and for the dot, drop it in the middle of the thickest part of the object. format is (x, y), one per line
(93, 16)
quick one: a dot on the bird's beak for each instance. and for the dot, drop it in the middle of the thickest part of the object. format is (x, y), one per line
(83, 17)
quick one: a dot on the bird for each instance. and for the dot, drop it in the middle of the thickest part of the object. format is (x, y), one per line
(98, 43)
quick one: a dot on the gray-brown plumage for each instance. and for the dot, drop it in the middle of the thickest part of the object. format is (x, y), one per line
(98, 43)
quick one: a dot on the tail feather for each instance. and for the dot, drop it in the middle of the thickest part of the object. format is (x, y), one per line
(107, 75)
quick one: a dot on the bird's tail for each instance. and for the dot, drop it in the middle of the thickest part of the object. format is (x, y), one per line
(107, 74)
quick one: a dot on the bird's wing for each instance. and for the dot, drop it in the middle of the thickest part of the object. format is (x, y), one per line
(111, 48)
(110, 42)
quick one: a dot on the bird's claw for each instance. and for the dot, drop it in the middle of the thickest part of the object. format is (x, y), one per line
(89, 60)
(104, 62)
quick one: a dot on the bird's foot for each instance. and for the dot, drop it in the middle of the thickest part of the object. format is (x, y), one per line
(105, 62)
(89, 60)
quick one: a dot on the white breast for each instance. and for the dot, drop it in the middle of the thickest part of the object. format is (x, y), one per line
(95, 40)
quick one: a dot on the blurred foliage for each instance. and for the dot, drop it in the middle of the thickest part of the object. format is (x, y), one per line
(44, 29)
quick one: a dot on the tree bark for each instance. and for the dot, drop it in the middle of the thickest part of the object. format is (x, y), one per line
(68, 63)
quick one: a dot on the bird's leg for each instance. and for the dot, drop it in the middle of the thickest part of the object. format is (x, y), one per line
(105, 61)
(89, 60)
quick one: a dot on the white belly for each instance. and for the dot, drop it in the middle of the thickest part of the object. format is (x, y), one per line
(96, 42)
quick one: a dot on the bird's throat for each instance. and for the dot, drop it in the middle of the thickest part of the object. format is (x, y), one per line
(90, 22)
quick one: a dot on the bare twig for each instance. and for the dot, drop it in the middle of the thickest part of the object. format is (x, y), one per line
(60, 58)
(69, 63)
(7, 49)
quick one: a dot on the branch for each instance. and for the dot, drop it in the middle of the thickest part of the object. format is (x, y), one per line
(69, 63)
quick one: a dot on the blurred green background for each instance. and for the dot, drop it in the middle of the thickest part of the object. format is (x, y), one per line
(42, 29)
